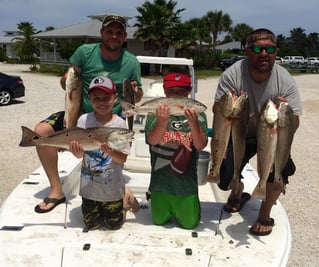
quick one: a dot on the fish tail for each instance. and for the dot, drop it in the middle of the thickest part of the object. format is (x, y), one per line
(28, 137)
(259, 192)
(128, 109)
(279, 185)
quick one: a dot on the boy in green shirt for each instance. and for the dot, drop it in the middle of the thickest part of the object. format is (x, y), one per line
(175, 194)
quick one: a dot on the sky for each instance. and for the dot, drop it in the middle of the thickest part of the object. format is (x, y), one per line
(280, 16)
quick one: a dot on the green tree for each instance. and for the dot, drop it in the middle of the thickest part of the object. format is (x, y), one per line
(198, 32)
(157, 24)
(313, 43)
(240, 33)
(281, 40)
(3, 55)
(217, 23)
(299, 39)
(25, 45)
(49, 28)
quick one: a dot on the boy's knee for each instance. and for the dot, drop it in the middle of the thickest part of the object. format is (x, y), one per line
(44, 129)
(190, 224)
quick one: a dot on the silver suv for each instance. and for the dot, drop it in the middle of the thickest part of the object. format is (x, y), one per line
(294, 60)
(313, 61)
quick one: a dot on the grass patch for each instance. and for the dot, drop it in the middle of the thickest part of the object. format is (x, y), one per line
(202, 74)
(58, 70)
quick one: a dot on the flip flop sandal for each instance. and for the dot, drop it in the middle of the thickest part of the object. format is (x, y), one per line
(232, 204)
(49, 200)
(270, 222)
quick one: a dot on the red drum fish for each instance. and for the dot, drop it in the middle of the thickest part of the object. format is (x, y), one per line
(177, 106)
(221, 133)
(129, 96)
(267, 136)
(239, 128)
(90, 138)
(73, 98)
(286, 130)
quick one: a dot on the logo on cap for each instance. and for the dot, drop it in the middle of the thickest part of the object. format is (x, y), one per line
(103, 83)
(98, 81)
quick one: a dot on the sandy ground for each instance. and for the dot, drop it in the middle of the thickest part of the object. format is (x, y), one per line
(44, 96)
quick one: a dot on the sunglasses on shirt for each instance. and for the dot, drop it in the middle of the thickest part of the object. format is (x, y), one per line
(270, 49)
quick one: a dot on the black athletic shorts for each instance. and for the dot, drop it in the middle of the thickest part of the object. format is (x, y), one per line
(56, 120)
(227, 167)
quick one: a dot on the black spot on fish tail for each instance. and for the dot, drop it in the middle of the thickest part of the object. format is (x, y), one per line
(29, 137)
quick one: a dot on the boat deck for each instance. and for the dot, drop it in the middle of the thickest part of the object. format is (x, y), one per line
(57, 238)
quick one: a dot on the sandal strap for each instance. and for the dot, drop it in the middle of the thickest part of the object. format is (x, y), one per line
(270, 222)
(48, 200)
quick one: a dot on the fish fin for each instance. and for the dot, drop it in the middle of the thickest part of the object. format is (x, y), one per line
(207, 179)
(212, 178)
(126, 105)
(259, 192)
(28, 137)
(128, 113)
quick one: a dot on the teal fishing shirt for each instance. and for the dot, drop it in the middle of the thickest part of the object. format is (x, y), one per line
(88, 57)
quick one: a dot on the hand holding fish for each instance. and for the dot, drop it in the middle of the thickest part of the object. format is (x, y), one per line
(191, 115)
(117, 156)
(106, 149)
(138, 93)
(199, 138)
(76, 148)
(282, 99)
(163, 112)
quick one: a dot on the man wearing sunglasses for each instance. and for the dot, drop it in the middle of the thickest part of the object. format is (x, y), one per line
(261, 79)
(105, 58)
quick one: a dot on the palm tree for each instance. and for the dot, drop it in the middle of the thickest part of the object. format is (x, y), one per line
(157, 24)
(281, 40)
(313, 42)
(217, 22)
(240, 33)
(299, 39)
(198, 32)
(25, 45)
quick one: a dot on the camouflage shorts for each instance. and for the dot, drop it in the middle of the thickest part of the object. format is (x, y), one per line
(96, 213)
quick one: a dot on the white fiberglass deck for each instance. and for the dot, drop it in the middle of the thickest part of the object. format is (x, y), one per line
(57, 239)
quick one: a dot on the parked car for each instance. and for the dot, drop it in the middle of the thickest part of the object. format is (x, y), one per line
(313, 61)
(225, 63)
(294, 60)
(10, 87)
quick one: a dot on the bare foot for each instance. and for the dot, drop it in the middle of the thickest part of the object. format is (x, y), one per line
(130, 202)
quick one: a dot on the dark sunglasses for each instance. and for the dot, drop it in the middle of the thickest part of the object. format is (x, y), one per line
(270, 49)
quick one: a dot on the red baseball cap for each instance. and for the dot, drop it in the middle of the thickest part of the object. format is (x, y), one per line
(177, 80)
